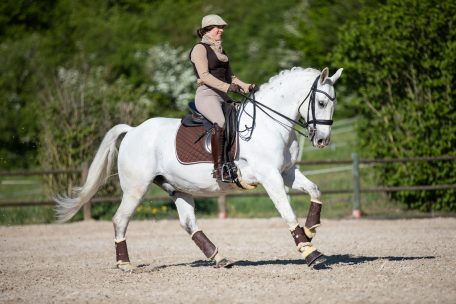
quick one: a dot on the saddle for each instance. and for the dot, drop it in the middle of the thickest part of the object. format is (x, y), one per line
(193, 138)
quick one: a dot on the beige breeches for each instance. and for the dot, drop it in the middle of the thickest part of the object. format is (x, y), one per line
(209, 103)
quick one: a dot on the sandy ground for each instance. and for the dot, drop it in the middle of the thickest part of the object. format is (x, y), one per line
(369, 261)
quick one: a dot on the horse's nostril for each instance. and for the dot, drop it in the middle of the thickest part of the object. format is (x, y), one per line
(320, 141)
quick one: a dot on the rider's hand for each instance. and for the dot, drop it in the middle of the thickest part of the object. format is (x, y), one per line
(253, 88)
(235, 88)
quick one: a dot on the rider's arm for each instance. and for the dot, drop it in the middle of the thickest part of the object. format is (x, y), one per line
(234, 79)
(199, 58)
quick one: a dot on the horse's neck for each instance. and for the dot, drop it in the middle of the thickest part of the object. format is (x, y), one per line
(286, 94)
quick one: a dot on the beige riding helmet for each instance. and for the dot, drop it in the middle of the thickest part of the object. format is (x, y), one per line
(212, 20)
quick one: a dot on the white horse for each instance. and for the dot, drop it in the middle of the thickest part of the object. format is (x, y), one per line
(268, 156)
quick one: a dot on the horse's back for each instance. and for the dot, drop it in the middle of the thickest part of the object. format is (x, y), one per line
(146, 144)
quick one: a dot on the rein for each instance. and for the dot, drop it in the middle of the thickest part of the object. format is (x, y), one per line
(305, 124)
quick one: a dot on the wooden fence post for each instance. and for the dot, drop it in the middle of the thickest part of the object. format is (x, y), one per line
(87, 209)
(356, 212)
(221, 201)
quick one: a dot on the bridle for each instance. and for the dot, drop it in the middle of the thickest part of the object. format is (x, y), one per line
(309, 124)
(311, 107)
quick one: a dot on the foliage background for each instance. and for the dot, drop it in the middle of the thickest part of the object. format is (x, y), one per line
(69, 70)
(401, 59)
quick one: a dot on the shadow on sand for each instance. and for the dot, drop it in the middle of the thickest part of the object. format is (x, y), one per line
(338, 259)
(331, 260)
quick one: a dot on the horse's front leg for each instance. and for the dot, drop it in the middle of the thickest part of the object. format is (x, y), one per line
(275, 187)
(186, 210)
(295, 180)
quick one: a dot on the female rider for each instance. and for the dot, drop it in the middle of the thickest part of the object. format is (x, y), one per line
(214, 80)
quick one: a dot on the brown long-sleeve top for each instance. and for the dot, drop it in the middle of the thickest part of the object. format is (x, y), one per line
(199, 59)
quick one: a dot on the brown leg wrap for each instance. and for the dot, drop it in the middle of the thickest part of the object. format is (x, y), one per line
(299, 236)
(311, 255)
(206, 246)
(313, 217)
(122, 251)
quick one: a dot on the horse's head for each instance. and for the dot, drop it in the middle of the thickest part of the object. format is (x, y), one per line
(318, 108)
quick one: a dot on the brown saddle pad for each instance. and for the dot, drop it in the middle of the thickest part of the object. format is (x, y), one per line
(188, 152)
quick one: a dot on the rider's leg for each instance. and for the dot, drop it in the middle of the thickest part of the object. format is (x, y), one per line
(186, 210)
(209, 104)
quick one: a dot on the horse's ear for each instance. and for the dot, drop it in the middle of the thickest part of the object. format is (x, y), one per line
(324, 75)
(336, 75)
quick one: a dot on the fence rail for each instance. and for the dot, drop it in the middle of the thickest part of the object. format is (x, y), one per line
(356, 190)
(376, 161)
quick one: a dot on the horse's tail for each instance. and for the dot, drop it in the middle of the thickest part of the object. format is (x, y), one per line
(98, 174)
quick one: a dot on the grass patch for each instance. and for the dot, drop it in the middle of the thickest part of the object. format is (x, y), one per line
(26, 215)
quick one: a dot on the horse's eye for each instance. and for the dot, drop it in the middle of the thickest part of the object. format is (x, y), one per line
(321, 103)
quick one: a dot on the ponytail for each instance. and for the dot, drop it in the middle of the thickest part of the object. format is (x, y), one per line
(201, 31)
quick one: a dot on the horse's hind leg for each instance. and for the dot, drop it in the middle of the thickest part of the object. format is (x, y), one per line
(120, 221)
(186, 209)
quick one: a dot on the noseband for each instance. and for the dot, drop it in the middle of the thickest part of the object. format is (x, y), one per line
(309, 124)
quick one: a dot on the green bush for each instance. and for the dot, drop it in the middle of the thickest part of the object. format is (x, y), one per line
(401, 59)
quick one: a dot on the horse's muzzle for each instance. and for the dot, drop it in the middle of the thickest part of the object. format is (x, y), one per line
(321, 142)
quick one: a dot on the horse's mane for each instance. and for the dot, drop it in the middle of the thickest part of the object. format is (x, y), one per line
(288, 73)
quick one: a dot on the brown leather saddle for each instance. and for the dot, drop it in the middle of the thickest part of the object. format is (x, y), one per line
(193, 138)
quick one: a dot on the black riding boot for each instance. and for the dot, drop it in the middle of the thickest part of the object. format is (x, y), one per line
(217, 142)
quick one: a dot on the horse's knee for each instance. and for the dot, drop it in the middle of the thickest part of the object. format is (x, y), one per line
(314, 192)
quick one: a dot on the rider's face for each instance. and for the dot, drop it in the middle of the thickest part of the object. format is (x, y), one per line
(216, 33)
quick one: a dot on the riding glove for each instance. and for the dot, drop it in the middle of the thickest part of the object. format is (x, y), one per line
(235, 88)
(253, 88)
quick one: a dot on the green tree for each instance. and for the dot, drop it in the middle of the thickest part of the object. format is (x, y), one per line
(39, 38)
(313, 25)
(311, 34)
(401, 59)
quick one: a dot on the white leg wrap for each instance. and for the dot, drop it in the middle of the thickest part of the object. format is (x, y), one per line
(306, 249)
(310, 232)
(217, 257)
(316, 201)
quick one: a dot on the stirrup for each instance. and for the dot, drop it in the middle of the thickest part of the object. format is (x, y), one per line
(231, 170)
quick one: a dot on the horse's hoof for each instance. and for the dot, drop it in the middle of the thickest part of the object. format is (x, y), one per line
(224, 263)
(319, 263)
(314, 258)
(126, 266)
